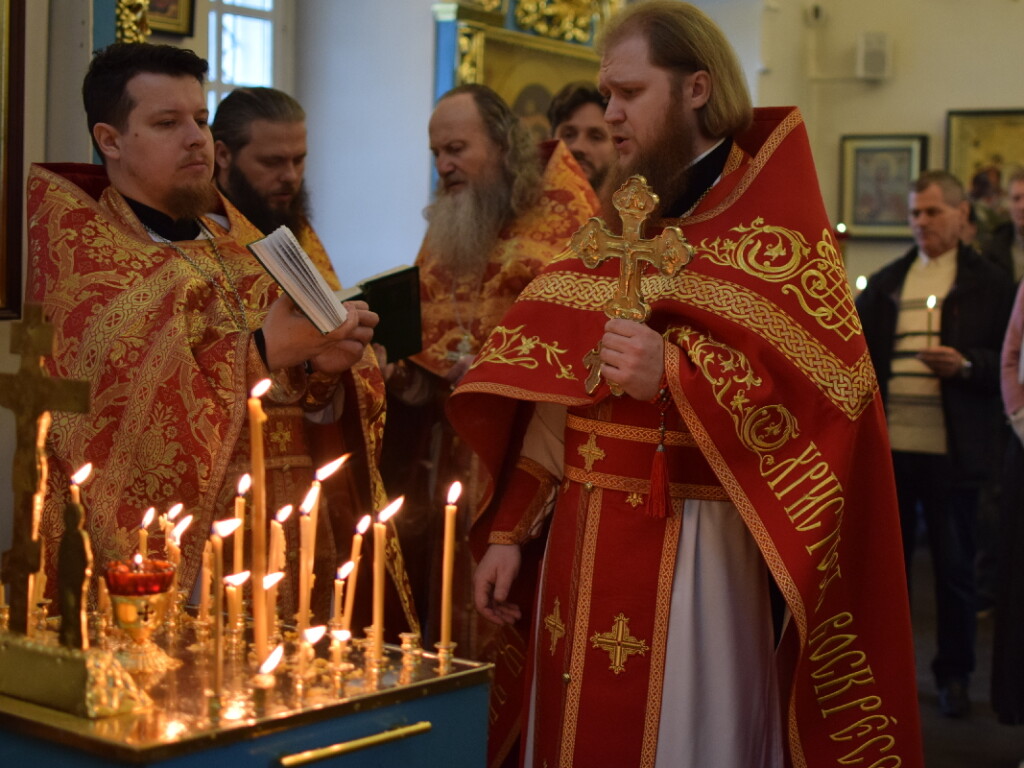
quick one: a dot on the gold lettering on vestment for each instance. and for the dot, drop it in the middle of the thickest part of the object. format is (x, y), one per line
(590, 452)
(555, 625)
(619, 644)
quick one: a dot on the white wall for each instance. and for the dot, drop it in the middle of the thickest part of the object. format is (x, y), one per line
(947, 55)
(364, 74)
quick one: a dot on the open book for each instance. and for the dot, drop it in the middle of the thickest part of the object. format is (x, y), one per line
(283, 257)
(395, 296)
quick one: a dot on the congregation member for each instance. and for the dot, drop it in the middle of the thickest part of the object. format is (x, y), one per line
(934, 321)
(722, 576)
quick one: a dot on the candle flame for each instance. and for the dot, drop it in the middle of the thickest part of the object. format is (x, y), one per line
(273, 660)
(311, 498)
(82, 474)
(225, 528)
(244, 483)
(237, 579)
(931, 301)
(862, 282)
(313, 634)
(341, 635)
(261, 388)
(148, 519)
(345, 570)
(271, 579)
(284, 513)
(137, 560)
(329, 469)
(454, 491)
(174, 511)
(364, 524)
(179, 529)
(390, 510)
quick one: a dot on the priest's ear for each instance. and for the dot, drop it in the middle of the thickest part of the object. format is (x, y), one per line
(696, 89)
(108, 140)
(221, 156)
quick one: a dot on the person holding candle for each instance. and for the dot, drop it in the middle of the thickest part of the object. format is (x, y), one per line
(141, 266)
(696, 453)
(938, 371)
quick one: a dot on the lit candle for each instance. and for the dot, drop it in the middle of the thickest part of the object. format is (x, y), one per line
(276, 561)
(379, 558)
(270, 582)
(233, 588)
(356, 555)
(76, 481)
(167, 524)
(174, 548)
(263, 681)
(339, 638)
(310, 637)
(260, 623)
(244, 483)
(931, 312)
(307, 544)
(339, 588)
(204, 583)
(144, 531)
(448, 562)
(322, 474)
(221, 528)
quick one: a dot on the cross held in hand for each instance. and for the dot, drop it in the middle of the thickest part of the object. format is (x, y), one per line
(669, 252)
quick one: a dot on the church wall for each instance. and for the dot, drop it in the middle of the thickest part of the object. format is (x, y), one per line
(364, 74)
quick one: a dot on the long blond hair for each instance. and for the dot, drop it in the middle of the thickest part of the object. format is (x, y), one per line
(683, 39)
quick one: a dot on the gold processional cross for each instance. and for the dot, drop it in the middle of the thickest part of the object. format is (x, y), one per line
(31, 394)
(594, 243)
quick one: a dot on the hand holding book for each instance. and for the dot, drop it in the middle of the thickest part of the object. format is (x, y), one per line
(292, 340)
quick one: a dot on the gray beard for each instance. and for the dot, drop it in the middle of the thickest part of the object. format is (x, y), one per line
(464, 227)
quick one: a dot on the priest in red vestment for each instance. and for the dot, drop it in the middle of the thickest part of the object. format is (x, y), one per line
(722, 578)
(141, 266)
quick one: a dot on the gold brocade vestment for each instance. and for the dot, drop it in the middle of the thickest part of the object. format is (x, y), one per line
(157, 335)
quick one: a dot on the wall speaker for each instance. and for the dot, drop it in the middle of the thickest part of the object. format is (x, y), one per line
(874, 56)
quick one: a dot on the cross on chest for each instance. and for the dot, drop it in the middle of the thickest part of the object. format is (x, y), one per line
(619, 644)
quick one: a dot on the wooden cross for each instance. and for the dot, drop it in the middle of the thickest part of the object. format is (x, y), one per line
(31, 394)
(619, 643)
(669, 252)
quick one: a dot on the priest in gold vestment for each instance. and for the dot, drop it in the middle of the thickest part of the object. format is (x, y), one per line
(501, 212)
(141, 266)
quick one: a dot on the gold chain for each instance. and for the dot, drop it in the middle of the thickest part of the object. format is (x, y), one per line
(237, 312)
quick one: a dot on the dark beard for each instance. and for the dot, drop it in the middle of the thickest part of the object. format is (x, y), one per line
(255, 208)
(665, 164)
(192, 202)
(464, 227)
